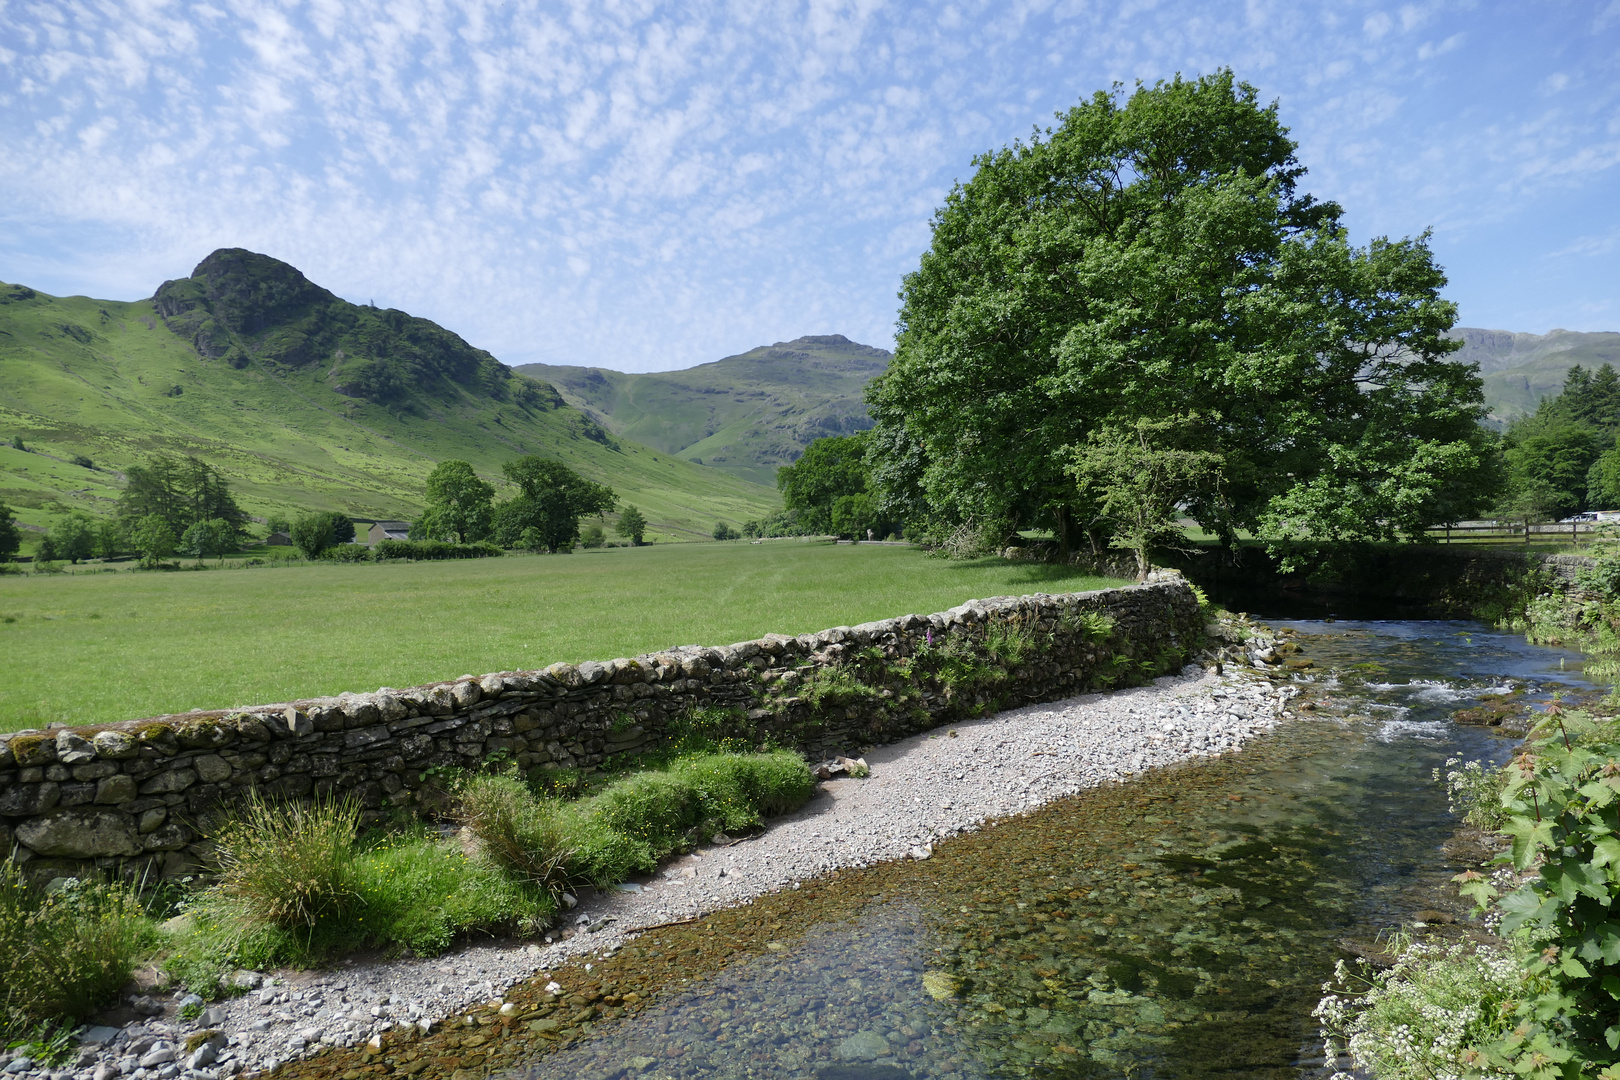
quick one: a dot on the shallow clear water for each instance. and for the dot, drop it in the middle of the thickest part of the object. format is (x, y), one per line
(1177, 926)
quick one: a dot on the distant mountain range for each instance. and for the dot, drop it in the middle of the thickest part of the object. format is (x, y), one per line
(745, 415)
(1521, 369)
(301, 399)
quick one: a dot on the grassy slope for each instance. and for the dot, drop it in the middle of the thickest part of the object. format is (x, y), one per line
(97, 377)
(745, 414)
(1521, 369)
(105, 647)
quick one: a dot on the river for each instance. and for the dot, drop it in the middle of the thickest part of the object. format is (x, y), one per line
(1179, 925)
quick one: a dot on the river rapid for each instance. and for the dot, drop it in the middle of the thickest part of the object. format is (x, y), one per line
(1177, 925)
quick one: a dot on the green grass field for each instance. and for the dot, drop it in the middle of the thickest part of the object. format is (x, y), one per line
(96, 648)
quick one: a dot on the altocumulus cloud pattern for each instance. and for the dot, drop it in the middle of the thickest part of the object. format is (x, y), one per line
(650, 186)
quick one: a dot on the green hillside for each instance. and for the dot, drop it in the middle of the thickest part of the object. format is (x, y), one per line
(301, 399)
(745, 414)
(1521, 369)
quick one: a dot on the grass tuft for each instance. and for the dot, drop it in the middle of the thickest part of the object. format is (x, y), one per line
(519, 831)
(65, 953)
(286, 865)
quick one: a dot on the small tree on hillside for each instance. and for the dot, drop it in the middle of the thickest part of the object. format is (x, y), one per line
(154, 539)
(277, 523)
(208, 538)
(632, 525)
(1136, 475)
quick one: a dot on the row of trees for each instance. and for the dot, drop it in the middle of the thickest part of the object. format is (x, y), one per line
(543, 515)
(1564, 458)
(183, 506)
(171, 505)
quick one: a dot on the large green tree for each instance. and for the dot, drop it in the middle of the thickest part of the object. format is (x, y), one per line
(551, 499)
(73, 537)
(828, 488)
(315, 533)
(1154, 255)
(460, 506)
(153, 538)
(181, 491)
(208, 538)
(632, 525)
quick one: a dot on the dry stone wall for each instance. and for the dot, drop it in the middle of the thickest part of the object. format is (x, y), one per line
(140, 797)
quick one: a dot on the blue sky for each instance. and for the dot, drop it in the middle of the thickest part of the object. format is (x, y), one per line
(649, 186)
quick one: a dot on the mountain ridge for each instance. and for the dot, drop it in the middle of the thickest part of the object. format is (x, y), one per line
(1519, 369)
(302, 400)
(746, 414)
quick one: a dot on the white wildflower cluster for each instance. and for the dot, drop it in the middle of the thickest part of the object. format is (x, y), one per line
(1504, 880)
(1473, 791)
(1420, 1018)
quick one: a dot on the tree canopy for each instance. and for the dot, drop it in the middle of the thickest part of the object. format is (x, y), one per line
(829, 489)
(551, 499)
(1153, 255)
(209, 538)
(1563, 458)
(1135, 477)
(181, 491)
(317, 532)
(632, 525)
(153, 538)
(459, 505)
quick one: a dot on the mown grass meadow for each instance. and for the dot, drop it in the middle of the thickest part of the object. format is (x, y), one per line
(100, 648)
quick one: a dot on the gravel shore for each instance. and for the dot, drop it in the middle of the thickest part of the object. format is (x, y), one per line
(921, 790)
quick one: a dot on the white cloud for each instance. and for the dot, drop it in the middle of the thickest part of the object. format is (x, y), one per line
(637, 182)
(1429, 50)
(1588, 246)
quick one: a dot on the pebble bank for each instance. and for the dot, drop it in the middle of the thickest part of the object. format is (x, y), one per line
(920, 791)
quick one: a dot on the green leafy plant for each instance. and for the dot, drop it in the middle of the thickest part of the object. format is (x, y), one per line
(1561, 798)
(63, 954)
(47, 1043)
